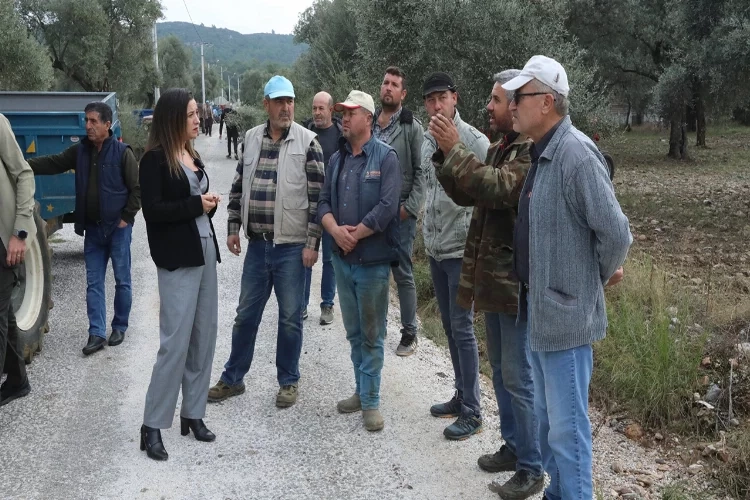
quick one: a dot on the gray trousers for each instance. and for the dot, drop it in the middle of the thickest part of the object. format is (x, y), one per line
(188, 321)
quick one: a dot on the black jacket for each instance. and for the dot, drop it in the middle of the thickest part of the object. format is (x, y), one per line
(170, 212)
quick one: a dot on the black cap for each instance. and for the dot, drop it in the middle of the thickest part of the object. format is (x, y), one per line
(438, 82)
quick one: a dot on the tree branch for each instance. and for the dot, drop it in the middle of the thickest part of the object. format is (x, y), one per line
(644, 74)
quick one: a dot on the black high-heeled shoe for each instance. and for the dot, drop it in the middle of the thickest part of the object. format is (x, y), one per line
(200, 431)
(152, 444)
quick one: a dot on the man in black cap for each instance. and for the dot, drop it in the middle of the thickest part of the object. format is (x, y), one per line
(445, 227)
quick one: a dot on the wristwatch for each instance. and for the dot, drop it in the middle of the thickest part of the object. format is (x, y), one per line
(20, 234)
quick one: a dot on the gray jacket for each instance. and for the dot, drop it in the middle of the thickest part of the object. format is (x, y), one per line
(445, 224)
(578, 238)
(407, 141)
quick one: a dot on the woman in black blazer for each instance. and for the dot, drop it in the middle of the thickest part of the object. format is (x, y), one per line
(178, 208)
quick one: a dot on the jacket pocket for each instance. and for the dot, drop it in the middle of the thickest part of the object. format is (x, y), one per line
(560, 297)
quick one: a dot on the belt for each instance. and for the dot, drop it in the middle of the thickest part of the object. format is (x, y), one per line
(262, 236)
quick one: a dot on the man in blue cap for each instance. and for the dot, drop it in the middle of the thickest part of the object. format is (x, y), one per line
(282, 161)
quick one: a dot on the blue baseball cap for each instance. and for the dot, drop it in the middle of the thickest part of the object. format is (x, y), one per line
(278, 86)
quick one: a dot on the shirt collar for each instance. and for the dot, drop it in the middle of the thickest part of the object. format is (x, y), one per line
(538, 148)
(267, 131)
(396, 116)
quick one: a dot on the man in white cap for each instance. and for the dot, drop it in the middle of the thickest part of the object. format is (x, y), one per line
(359, 207)
(274, 197)
(570, 240)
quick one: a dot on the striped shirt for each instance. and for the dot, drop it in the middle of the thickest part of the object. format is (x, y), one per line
(262, 198)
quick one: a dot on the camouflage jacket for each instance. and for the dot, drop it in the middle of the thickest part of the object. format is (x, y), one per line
(492, 188)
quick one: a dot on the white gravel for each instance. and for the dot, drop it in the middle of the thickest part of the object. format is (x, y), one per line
(76, 435)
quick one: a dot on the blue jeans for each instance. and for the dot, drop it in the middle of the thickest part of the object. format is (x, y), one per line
(404, 275)
(458, 324)
(328, 281)
(98, 249)
(363, 294)
(561, 389)
(268, 266)
(509, 354)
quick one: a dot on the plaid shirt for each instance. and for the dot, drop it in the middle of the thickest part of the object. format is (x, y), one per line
(262, 198)
(384, 134)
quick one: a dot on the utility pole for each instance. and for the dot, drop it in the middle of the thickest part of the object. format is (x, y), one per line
(238, 87)
(221, 78)
(157, 93)
(203, 77)
(229, 82)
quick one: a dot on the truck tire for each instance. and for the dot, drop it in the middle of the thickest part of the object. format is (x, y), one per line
(31, 297)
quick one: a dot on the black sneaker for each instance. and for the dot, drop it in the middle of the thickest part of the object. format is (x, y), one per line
(522, 485)
(304, 314)
(502, 460)
(463, 428)
(451, 409)
(407, 346)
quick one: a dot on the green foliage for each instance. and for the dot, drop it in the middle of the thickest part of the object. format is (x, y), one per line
(174, 64)
(649, 362)
(24, 63)
(133, 133)
(245, 118)
(102, 45)
(412, 34)
(211, 78)
(227, 46)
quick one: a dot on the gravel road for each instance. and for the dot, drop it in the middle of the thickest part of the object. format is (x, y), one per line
(76, 435)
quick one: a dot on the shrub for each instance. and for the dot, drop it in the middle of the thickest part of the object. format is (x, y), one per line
(650, 359)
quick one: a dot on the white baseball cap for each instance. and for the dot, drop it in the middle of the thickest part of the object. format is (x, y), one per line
(546, 70)
(356, 99)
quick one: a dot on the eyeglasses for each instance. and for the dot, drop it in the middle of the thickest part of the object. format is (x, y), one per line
(517, 96)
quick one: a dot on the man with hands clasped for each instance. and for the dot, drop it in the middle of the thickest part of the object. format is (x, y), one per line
(359, 207)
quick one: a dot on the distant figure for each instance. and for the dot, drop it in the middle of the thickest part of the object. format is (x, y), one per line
(233, 132)
(208, 120)
(178, 207)
(201, 112)
(17, 230)
(107, 198)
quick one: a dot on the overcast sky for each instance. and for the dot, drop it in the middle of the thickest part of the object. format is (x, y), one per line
(245, 16)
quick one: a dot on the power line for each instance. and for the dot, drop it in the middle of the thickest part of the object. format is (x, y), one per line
(191, 21)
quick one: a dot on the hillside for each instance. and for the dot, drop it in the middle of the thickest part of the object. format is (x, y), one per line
(230, 46)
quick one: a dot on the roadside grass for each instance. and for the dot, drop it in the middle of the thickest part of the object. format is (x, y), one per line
(649, 361)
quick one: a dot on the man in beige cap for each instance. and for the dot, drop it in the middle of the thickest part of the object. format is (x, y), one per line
(359, 207)
(570, 239)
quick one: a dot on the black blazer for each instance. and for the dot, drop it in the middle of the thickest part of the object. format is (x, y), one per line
(170, 212)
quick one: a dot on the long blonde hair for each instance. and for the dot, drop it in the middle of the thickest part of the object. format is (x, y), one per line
(169, 128)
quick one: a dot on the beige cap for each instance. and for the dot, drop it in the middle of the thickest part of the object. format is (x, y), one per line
(356, 99)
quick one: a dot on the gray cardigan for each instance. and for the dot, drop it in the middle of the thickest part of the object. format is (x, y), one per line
(578, 238)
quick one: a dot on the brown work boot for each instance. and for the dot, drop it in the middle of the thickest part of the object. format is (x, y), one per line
(222, 391)
(286, 396)
(373, 420)
(350, 404)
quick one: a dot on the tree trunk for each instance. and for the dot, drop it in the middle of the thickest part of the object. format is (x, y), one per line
(691, 116)
(627, 118)
(678, 137)
(700, 111)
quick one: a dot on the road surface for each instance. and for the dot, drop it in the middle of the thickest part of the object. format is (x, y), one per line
(77, 434)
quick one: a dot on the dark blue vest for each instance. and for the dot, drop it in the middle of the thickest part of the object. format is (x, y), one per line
(113, 193)
(381, 247)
